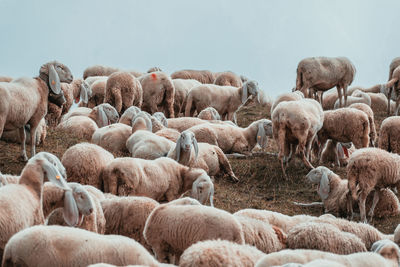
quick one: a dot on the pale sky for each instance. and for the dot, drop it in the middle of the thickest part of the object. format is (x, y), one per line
(262, 39)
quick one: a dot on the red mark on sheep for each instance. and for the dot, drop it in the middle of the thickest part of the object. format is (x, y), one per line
(346, 152)
(154, 76)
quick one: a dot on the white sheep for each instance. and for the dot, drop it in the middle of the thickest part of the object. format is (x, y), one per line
(184, 123)
(209, 114)
(112, 137)
(389, 134)
(203, 76)
(147, 145)
(101, 70)
(127, 116)
(356, 97)
(387, 249)
(292, 96)
(372, 129)
(41, 133)
(182, 87)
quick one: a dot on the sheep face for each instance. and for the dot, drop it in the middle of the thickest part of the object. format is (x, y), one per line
(203, 188)
(387, 249)
(250, 89)
(82, 199)
(264, 130)
(319, 176)
(185, 142)
(106, 114)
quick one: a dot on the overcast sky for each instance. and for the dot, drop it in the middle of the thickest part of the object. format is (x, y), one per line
(263, 40)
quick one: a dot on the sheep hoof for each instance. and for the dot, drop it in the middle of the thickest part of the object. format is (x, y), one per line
(23, 158)
(234, 178)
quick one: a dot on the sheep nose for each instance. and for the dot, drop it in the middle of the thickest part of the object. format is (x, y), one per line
(90, 210)
(187, 146)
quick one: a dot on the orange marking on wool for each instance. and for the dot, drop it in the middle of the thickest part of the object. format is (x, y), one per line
(58, 177)
(53, 82)
(154, 76)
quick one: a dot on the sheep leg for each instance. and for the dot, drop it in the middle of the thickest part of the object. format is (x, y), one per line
(339, 91)
(302, 148)
(345, 95)
(389, 97)
(224, 163)
(374, 202)
(349, 202)
(22, 138)
(33, 139)
(361, 203)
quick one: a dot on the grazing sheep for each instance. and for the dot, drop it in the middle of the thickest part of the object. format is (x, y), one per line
(203, 76)
(225, 99)
(234, 139)
(41, 133)
(324, 237)
(393, 86)
(371, 169)
(147, 145)
(357, 97)
(367, 109)
(99, 70)
(209, 114)
(24, 101)
(158, 91)
(292, 96)
(182, 87)
(123, 91)
(64, 246)
(336, 153)
(161, 179)
(228, 78)
(389, 135)
(127, 116)
(25, 210)
(127, 216)
(85, 162)
(323, 73)
(171, 228)
(220, 253)
(5, 79)
(296, 123)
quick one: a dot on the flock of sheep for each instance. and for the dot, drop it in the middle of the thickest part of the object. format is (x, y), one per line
(100, 210)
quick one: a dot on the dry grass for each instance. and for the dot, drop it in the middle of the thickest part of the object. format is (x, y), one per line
(261, 183)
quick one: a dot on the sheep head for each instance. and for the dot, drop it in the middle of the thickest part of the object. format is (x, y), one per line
(185, 141)
(77, 204)
(319, 176)
(161, 117)
(202, 187)
(249, 89)
(387, 249)
(142, 120)
(264, 131)
(105, 114)
(85, 92)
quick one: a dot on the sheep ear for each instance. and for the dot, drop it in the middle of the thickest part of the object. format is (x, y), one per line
(53, 175)
(178, 148)
(196, 147)
(101, 116)
(261, 134)
(54, 80)
(340, 151)
(70, 211)
(324, 189)
(211, 194)
(84, 94)
(244, 93)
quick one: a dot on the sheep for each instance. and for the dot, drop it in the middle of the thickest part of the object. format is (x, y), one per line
(234, 139)
(303, 256)
(225, 99)
(154, 69)
(26, 209)
(296, 123)
(5, 79)
(203, 76)
(99, 70)
(323, 73)
(357, 97)
(228, 78)
(336, 153)
(182, 124)
(379, 102)
(263, 236)
(393, 86)
(220, 253)
(182, 87)
(159, 129)
(387, 249)
(159, 179)
(292, 96)
(127, 216)
(371, 169)
(389, 135)
(378, 88)
(147, 145)
(112, 137)
(204, 156)
(329, 99)
(324, 237)
(24, 101)
(172, 228)
(161, 118)
(85, 162)
(64, 246)
(98, 89)
(158, 90)
(123, 91)
(367, 109)
(127, 116)
(209, 114)
(6, 179)
(41, 133)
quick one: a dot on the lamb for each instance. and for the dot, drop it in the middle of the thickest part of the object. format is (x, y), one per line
(182, 87)
(393, 86)
(160, 179)
(234, 139)
(225, 99)
(127, 216)
(127, 116)
(158, 91)
(296, 123)
(5, 79)
(24, 101)
(357, 97)
(324, 237)
(371, 120)
(228, 78)
(26, 210)
(184, 225)
(371, 169)
(220, 253)
(203, 76)
(85, 162)
(41, 133)
(99, 70)
(389, 135)
(65, 246)
(209, 114)
(147, 145)
(293, 96)
(323, 73)
(123, 91)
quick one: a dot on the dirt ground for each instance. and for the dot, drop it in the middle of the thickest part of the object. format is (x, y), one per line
(261, 184)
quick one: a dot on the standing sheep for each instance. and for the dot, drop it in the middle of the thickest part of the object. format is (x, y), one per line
(203, 76)
(357, 97)
(367, 109)
(123, 91)
(228, 78)
(292, 96)
(323, 73)
(389, 135)
(182, 88)
(24, 100)
(98, 89)
(377, 88)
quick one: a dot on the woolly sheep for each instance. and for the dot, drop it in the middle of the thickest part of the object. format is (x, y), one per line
(24, 101)
(172, 228)
(13, 136)
(225, 99)
(367, 109)
(182, 124)
(182, 87)
(336, 153)
(154, 69)
(123, 91)
(323, 73)
(228, 78)
(329, 99)
(98, 89)
(65, 246)
(112, 137)
(5, 79)
(371, 169)
(378, 88)
(159, 179)
(147, 145)
(209, 114)
(389, 135)
(100, 70)
(127, 116)
(85, 162)
(220, 253)
(387, 249)
(296, 123)
(292, 96)
(357, 97)
(203, 76)
(159, 129)
(161, 118)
